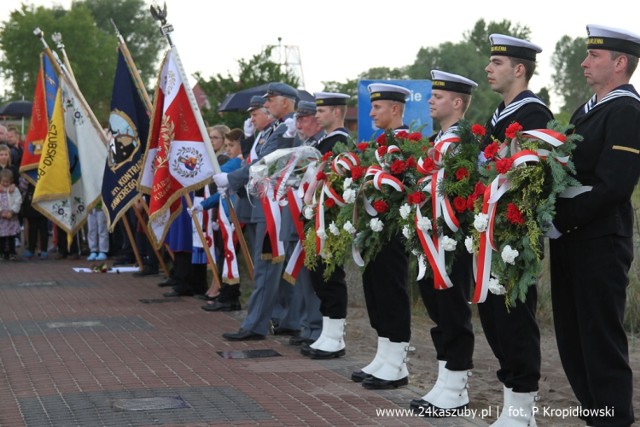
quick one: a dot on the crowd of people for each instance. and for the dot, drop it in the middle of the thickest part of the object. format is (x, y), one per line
(591, 244)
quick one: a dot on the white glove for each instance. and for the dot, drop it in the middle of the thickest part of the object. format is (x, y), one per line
(249, 128)
(195, 208)
(552, 232)
(222, 191)
(215, 226)
(221, 180)
(291, 127)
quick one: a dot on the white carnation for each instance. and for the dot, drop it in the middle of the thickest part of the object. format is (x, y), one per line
(347, 182)
(468, 243)
(424, 224)
(406, 232)
(307, 212)
(349, 228)
(321, 234)
(333, 228)
(405, 211)
(509, 255)
(481, 221)
(448, 244)
(495, 287)
(349, 195)
(376, 225)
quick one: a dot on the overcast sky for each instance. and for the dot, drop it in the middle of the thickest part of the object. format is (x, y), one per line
(338, 39)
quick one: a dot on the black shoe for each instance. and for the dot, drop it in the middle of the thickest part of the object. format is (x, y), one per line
(242, 335)
(305, 350)
(321, 354)
(222, 306)
(167, 282)
(206, 297)
(299, 340)
(286, 331)
(359, 376)
(123, 260)
(374, 383)
(427, 410)
(146, 270)
(177, 294)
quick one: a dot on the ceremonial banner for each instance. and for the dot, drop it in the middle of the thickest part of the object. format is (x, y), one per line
(43, 101)
(176, 156)
(129, 128)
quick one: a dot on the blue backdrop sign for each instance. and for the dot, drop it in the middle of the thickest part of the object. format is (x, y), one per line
(416, 113)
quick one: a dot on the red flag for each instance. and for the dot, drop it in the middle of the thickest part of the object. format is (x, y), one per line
(37, 133)
(176, 152)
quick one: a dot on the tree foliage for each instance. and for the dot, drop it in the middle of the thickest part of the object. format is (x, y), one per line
(89, 41)
(568, 80)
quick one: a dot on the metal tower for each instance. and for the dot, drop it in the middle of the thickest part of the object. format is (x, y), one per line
(288, 56)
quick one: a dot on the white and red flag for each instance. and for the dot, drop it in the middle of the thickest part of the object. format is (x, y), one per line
(177, 160)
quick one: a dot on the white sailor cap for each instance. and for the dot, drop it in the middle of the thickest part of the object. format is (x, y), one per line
(616, 39)
(510, 46)
(385, 91)
(330, 98)
(451, 82)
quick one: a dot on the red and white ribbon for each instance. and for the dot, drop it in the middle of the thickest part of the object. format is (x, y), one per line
(230, 272)
(442, 146)
(296, 261)
(273, 219)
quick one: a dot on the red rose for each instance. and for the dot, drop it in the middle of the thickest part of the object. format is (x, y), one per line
(382, 139)
(402, 134)
(382, 150)
(321, 176)
(414, 136)
(471, 201)
(416, 198)
(380, 206)
(397, 167)
(512, 130)
(411, 162)
(478, 130)
(514, 215)
(460, 204)
(362, 146)
(329, 203)
(491, 150)
(503, 165)
(462, 173)
(357, 172)
(327, 156)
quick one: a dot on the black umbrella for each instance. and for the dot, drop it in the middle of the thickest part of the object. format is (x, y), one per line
(17, 109)
(239, 101)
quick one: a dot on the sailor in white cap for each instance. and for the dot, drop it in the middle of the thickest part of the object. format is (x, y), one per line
(331, 109)
(385, 277)
(449, 309)
(513, 334)
(592, 246)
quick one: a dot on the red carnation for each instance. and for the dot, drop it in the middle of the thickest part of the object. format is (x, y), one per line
(478, 130)
(512, 130)
(462, 173)
(362, 146)
(415, 136)
(460, 204)
(397, 167)
(327, 156)
(402, 134)
(382, 139)
(416, 198)
(428, 164)
(321, 176)
(357, 172)
(382, 150)
(514, 215)
(478, 190)
(503, 165)
(491, 150)
(471, 201)
(411, 162)
(329, 203)
(380, 206)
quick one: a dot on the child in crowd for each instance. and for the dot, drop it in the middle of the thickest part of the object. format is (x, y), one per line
(97, 234)
(10, 203)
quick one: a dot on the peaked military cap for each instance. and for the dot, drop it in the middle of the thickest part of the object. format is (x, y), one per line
(281, 89)
(510, 46)
(306, 108)
(609, 38)
(256, 102)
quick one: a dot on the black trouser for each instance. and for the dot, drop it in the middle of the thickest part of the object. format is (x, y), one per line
(451, 312)
(38, 228)
(588, 291)
(332, 293)
(63, 246)
(514, 337)
(8, 246)
(385, 291)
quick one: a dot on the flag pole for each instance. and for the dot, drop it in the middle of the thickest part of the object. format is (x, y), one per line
(166, 30)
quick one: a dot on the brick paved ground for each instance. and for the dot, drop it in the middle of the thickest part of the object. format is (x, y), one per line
(81, 349)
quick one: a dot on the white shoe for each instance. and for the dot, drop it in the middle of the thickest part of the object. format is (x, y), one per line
(517, 410)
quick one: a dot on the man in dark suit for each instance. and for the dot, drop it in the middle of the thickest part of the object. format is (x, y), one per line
(592, 233)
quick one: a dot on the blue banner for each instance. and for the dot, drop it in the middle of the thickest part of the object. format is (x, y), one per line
(416, 113)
